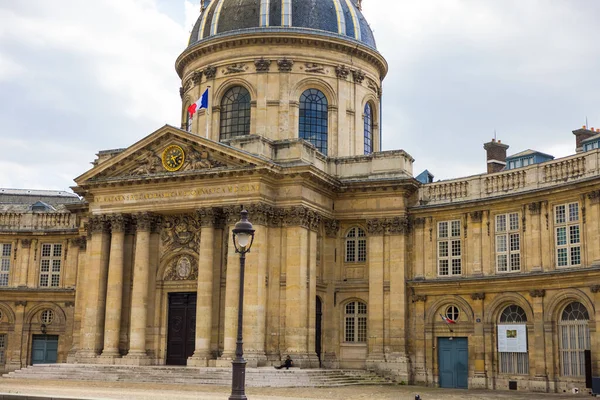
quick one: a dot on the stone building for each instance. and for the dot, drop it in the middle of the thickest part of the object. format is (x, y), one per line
(489, 281)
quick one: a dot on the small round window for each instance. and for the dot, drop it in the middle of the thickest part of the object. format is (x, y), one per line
(47, 317)
(452, 313)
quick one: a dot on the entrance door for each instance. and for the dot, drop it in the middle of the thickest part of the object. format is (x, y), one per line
(181, 332)
(319, 316)
(454, 362)
(44, 349)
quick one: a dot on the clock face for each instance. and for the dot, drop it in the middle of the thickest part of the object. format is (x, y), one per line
(173, 158)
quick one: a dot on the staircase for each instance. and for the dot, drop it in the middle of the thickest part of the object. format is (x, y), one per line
(255, 377)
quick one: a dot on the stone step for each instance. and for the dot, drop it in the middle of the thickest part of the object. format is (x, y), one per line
(255, 377)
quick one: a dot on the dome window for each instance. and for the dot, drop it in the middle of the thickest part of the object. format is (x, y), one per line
(235, 113)
(314, 119)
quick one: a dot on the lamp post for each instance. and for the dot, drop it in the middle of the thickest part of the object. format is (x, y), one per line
(243, 237)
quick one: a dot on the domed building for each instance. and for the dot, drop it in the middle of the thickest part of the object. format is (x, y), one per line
(488, 281)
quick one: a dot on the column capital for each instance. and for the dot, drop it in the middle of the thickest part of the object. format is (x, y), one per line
(118, 223)
(145, 221)
(260, 213)
(98, 224)
(208, 217)
(231, 214)
(535, 208)
(302, 216)
(390, 226)
(476, 216)
(478, 296)
(595, 288)
(419, 297)
(80, 242)
(537, 293)
(26, 243)
(332, 227)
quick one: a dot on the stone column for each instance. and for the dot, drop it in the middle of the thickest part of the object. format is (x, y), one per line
(475, 243)
(114, 291)
(204, 306)
(375, 308)
(477, 342)
(25, 257)
(81, 242)
(533, 257)
(297, 310)
(92, 327)
(232, 287)
(547, 238)
(17, 358)
(540, 380)
(593, 229)
(397, 362)
(419, 366)
(330, 321)
(139, 303)
(419, 248)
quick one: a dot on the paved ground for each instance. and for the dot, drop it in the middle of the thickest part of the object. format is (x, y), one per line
(143, 391)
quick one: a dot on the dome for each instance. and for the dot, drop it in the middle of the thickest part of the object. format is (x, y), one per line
(341, 18)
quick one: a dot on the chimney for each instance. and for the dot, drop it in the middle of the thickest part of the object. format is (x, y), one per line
(496, 155)
(581, 135)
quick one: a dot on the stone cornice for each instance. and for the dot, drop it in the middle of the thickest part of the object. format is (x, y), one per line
(281, 38)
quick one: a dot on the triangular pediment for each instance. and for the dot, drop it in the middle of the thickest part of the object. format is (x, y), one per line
(169, 152)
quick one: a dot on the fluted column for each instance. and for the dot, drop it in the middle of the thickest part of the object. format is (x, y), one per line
(204, 301)
(139, 302)
(92, 327)
(114, 292)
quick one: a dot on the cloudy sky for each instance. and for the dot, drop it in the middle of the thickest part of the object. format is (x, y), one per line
(80, 76)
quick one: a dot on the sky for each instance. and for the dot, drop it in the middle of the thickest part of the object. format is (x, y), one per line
(79, 76)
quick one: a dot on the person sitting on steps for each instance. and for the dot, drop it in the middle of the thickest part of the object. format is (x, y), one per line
(287, 363)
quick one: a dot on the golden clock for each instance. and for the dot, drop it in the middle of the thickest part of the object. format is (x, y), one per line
(173, 157)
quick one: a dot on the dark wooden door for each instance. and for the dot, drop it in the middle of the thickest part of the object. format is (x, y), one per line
(319, 317)
(453, 362)
(181, 333)
(44, 349)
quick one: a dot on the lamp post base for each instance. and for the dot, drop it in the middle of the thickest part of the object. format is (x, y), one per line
(238, 382)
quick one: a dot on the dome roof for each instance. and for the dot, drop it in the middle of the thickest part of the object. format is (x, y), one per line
(341, 18)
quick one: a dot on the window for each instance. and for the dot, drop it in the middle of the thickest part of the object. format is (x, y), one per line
(355, 322)
(449, 248)
(452, 313)
(515, 363)
(2, 349)
(235, 113)
(47, 317)
(568, 240)
(50, 265)
(591, 146)
(368, 129)
(356, 245)
(313, 119)
(574, 336)
(5, 252)
(508, 243)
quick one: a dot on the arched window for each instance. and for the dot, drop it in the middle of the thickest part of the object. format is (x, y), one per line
(368, 129)
(355, 320)
(574, 333)
(512, 335)
(313, 118)
(235, 113)
(356, 245)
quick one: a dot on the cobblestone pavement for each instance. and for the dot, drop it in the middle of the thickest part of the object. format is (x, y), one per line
(145, 391)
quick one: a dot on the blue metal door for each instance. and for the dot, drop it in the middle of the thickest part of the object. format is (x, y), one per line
(44, 349)
(454, 362)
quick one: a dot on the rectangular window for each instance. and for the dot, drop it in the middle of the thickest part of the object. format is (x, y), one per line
(5, 252)
(50, 265)
(508, 243)
(567, 235)
(449, 248)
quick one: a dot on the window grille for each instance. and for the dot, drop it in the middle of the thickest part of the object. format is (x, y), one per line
(512, 362)
(449, 248)
(50, 265)
(355, 322)
(235, 113)
(5, 253)
(368, 129)
(574, 337)
(567, 238)
(356, 245)
(314, 119)
(47, 317)
(3, 349)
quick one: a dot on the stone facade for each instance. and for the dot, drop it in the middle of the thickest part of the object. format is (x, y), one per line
(353, 260)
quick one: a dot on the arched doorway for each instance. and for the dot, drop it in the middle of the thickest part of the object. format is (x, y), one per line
(318, 329)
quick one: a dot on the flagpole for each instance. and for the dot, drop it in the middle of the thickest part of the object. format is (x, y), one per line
(207, 109)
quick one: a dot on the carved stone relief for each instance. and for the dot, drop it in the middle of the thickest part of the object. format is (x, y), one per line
(147, 163)
(315, 68)
(332, 227)
(210, 72)
(182, 268)
(197, 160)
(358, 76)
(285, 65)
(262, 65)
(180, 231)
(391, 226)
(234, 69)
(342, 72)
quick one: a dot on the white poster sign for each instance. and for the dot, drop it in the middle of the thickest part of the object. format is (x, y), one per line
(512, 338)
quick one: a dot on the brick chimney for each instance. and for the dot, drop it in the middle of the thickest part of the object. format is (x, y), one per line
(581, 135)
(496, 155)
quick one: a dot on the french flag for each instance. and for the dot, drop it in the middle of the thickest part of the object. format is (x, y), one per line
(200, 104)
(447, 320)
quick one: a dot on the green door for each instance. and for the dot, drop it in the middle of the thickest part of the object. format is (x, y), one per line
(44, 349)
(453, 362)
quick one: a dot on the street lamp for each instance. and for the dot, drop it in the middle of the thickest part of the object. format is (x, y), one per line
(243, 237)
